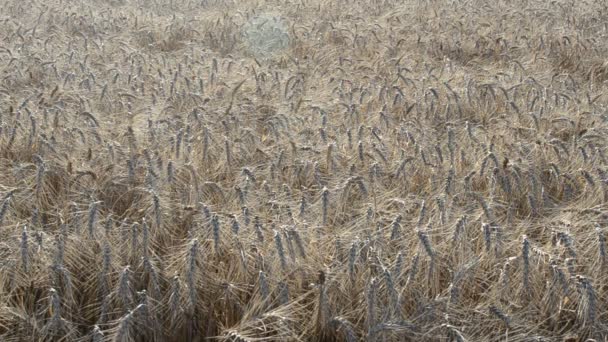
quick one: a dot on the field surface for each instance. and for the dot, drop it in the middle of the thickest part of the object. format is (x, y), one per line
(307, 170)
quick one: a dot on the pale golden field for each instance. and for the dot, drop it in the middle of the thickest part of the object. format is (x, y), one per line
(308, 170)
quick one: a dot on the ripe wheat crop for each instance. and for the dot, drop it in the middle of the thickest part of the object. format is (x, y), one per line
(382, 170)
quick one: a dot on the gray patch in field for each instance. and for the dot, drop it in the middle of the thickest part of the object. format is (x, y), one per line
(266, 34)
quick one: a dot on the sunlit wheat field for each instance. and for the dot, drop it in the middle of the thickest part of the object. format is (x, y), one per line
(303, 170)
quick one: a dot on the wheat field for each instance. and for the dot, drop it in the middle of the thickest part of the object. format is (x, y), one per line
(376, 170)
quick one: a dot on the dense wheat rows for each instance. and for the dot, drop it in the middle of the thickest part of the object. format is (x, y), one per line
(382, 170)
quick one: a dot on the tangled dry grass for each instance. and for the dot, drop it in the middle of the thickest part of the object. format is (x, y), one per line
(400, 171)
